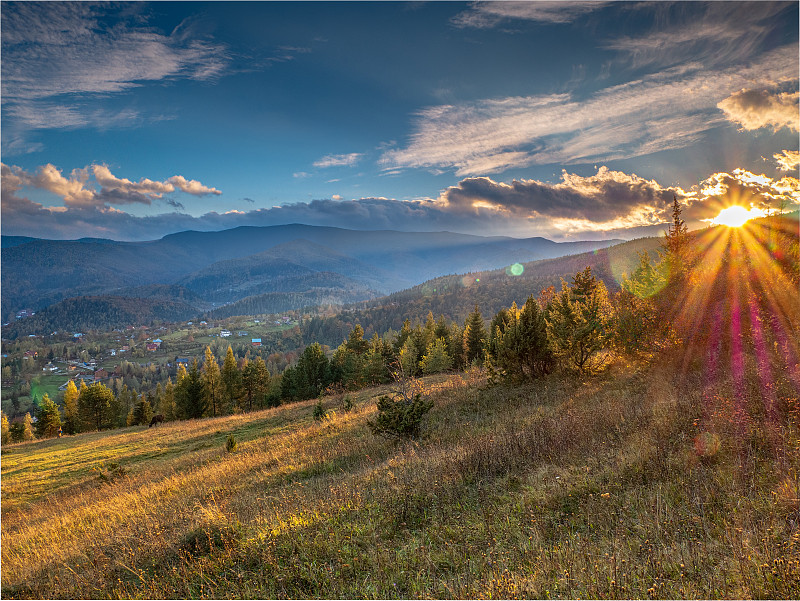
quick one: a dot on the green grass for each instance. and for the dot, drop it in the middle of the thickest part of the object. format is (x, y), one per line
(570, 487)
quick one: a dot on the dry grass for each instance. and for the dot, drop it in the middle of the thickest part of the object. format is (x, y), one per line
(593, 487)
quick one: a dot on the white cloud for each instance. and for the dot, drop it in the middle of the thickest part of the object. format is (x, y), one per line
(338, 160)
(754, 109)
(490, 14)
(56, 55)
(663, 111)
(79, 191)
(788, 160)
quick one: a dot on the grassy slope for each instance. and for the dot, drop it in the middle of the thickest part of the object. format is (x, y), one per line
(573, 487)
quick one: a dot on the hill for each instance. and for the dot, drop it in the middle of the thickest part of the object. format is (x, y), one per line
(56, 269)
(594, 487)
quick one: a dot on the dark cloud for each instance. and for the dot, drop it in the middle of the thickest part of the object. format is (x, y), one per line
(604, 197)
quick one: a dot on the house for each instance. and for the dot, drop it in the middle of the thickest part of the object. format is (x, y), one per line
(152, 346)
(256, 341)
(31, 354)
(50, 367)
(182, 361)
(242, 334)
(25, 313)
(224, 333)
(100, 374)
(158, 342)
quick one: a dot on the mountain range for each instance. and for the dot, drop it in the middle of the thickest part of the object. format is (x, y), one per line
(293, 265)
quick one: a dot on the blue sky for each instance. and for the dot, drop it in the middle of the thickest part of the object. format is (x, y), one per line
(570, 120)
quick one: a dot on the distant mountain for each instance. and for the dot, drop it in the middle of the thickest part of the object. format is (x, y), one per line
(455, 296)
(37, 273)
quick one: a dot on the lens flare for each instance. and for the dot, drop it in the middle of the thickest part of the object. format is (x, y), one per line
(515, 269)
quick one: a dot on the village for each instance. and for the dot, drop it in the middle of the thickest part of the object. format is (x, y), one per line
(137, 356)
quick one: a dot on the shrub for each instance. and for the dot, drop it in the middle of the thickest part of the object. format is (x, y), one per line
(400, 418)
(319, 412)
(230, 444)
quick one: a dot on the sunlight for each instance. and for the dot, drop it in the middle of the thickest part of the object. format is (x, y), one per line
(736, 216)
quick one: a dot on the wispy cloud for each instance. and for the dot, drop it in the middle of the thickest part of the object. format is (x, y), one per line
(57, 54)
(484, 15)
(754, 109)
(714, 33)
(338, 160)
(666, 110)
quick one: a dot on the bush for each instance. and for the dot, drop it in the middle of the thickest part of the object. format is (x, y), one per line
(230, 444)
(319, 412)
(400, 418)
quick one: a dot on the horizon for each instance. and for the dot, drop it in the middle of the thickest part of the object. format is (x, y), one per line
(567, 121)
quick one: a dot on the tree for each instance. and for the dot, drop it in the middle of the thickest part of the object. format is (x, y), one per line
(168, 409)
(676, 243)
(579, 322)
(520, 350)
(4, 429)
(48, 418)
(474, 337)
(27, 427)
(190, 397)
(143, 412)
(436, 358)
(231, 380)
(94, 404)
(71, 419)
(212, 381)
(255, 383)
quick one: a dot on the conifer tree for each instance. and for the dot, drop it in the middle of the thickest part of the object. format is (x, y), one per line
(255, 383)
(474, 337)
(231, 380)
(94, 404)
(436, 359)
(190, 397)
(168, 401)
(48, 418)
(212, 381)
(71, 419)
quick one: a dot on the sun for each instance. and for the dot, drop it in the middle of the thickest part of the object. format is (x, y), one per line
(735, 216)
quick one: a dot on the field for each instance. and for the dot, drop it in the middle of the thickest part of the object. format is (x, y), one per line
(641, 482)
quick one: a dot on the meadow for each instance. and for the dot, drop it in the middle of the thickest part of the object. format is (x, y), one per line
(643, 481)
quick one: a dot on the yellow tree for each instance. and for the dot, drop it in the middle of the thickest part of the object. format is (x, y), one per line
(71, 419)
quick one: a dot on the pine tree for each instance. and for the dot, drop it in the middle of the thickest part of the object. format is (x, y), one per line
(94, 404)
(255, 383)
(48, 418)
(71, 419)
(190, 397)
(474, 337)
(579, 322)
(212, 381)
(168, 401)
(231, 380)
(143, 412)
(436, 358)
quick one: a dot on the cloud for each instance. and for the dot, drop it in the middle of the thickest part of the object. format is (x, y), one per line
(58, 56)
(667, 110)
(338, 160)
(602, 198)
(744, 188)
(78, 191)
(754, 109)
(600, 206)
(485, 15)
(713, 33)
(788, 160)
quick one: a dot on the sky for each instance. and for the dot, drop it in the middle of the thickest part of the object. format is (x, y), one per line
(567, 120)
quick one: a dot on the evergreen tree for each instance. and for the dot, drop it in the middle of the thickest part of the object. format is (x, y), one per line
(143, 412)
(212, 381)
(579, 322)
(168, 409)
(314, 371)
(255, 383)
(436, 358)
(48, 418)
(71, 419)
(231, 380)
(190, 396)
(94, 404)
(519, 350)
(474, 337)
